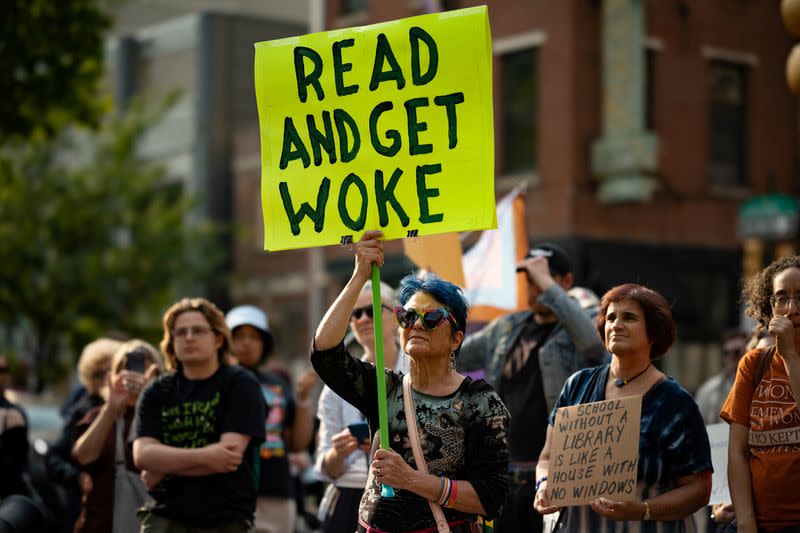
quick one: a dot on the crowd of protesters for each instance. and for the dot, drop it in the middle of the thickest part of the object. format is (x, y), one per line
(206, 434)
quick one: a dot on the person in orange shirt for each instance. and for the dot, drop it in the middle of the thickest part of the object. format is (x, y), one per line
(762, 409)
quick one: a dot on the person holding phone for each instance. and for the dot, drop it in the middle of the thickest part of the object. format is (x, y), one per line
(344, 435)
(111, 497)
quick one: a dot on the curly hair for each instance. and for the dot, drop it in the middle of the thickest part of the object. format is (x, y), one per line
(215, 319)
(757, 291)
(657, 315)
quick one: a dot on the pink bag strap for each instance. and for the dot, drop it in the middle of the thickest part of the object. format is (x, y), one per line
(419, 458)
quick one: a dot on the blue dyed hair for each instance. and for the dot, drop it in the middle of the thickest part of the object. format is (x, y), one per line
(446, 293)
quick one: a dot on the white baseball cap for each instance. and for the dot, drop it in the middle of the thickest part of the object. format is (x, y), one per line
(247, 315)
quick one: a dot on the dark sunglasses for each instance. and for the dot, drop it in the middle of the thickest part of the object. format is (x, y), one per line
(5, 369)
(367, 309)
(431, 320)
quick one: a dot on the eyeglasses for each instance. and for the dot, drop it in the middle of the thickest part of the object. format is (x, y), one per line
(4, 369)
(431, 320)
(367, 309)
(196, 331)
(779, 301)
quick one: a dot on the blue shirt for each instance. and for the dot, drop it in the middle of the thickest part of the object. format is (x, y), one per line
(672, 443)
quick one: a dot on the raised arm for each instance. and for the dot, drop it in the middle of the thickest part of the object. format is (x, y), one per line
(578, 323)
(786, 341)
(89, 445)
(334, 324)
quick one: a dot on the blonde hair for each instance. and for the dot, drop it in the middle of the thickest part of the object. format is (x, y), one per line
(215, 319)
(152, 356)
(388, 294)
(95, 356)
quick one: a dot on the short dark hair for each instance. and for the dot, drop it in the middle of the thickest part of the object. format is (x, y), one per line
(557, 259)
(657, 315)
(448, 294)
(757, 291)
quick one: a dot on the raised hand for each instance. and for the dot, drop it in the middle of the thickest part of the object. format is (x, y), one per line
(782, 329)
(368, 250)
(538, 271)
(117, 393)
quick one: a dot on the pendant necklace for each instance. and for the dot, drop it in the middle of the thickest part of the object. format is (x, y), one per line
(619, 382)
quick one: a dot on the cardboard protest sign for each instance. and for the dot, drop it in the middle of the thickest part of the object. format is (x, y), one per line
(718, 438)
(384, 127)
(594, 451)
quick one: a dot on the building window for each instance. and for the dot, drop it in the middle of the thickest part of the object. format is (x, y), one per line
(650, 89)
(728, 123)
(353, 6)
(520, 91)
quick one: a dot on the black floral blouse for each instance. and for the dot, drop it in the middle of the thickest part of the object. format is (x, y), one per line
(463, 436)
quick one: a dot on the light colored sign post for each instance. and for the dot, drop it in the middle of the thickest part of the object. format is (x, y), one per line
(718, 438)
(594, 452)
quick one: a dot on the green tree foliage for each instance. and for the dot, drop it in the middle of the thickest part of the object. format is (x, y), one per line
(94, 238)
(51, 57)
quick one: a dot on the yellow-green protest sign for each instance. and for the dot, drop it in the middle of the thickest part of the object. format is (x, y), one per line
(384, 127)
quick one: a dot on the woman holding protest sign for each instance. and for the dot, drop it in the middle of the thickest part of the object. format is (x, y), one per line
(343, 454)
(674, 462)
(762, 409)
(459, 424)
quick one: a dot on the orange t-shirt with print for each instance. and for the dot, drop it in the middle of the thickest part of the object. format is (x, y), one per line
(770, 411)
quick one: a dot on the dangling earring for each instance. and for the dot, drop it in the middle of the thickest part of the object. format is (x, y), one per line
(452, 361)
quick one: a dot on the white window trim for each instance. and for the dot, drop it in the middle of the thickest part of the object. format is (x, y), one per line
(713, 53)
(520, 41)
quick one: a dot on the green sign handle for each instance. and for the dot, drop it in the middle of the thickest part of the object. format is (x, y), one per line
(377, 312)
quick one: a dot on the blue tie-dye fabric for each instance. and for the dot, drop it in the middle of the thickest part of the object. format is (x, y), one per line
(673, 442)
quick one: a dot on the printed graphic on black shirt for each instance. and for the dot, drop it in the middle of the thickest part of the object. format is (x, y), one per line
(191, 424)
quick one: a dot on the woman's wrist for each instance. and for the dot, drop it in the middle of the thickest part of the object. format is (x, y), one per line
(333, 463)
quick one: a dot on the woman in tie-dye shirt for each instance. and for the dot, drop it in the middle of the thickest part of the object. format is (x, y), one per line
(674, 465)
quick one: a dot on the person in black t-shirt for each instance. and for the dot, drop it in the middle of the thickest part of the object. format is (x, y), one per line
(288, 428)
(197, 428)
(527, 357)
